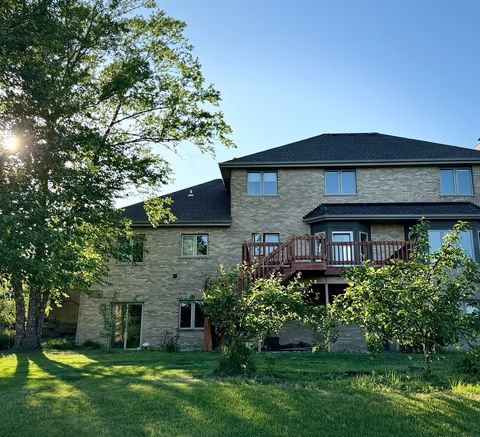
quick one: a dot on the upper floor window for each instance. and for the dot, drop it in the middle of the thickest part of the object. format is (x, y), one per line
(191, 315)
(195, 245)
(435, 239)
(262, 183)
(456, 181)
(340, 182)
(131, 249)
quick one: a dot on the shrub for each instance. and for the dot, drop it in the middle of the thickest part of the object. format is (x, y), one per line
(470, 364)
(91, 344)
(244, 310)
(172, 345)
(60, 344)
(7, 337)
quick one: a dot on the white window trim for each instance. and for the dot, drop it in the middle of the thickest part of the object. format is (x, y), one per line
(262, 172)
(195, 255)
(193, 304)
(339, 181)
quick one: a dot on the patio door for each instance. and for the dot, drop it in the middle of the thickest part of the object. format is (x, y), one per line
(127, 325)
(342, 254)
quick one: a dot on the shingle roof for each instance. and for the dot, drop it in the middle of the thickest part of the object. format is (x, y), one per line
(394, 210)
(356, 147)
(210, 204)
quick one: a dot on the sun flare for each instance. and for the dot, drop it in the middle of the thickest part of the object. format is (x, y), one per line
(11, 143)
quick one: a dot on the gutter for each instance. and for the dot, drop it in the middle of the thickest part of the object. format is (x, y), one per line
(389, 217)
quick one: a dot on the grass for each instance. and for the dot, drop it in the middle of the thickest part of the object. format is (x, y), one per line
(154, 393)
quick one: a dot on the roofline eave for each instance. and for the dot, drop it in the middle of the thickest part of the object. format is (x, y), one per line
(363, 163)
(390, 217)
(185, 223)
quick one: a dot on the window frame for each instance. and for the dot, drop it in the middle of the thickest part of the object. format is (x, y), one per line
(259, 251)
(262, 188)
(195, 246)
(129, 259)
(126, 321)
(445, 231)
(193, 305)
(339, 182)
(455, 181)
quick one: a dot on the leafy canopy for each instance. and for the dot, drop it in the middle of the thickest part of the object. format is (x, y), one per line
(92, 90)
(243, 310)
(415, 302)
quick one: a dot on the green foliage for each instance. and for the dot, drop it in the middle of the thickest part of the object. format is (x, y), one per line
(109, 321)
(91, 345)
(92, 90)
(7, 309)
(244, 311)
(7, 337)
(172, 345)
(59, 344)
(414, 302)
(470, 364)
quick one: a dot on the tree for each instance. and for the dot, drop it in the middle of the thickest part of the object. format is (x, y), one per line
(90, 91)
(415, 302)
(243, 311)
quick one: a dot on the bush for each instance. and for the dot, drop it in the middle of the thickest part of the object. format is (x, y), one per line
(470, 364)
(91, 344)
(172, 345)
(59, 344)
(7, 338)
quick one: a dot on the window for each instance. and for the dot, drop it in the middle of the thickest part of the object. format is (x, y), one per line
(340, 182)
(127, 325)
(191, 315)
(262, 183)
(435, 238)
(456, 181)
(131, 249)
(265, 238)
(194, 245)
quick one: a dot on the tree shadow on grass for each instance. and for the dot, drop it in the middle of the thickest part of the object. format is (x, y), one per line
(153, 400)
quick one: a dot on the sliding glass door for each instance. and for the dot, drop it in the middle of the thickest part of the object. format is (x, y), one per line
(127, 325)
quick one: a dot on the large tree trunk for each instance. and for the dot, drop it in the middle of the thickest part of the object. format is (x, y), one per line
(37, 305)
(19, 311)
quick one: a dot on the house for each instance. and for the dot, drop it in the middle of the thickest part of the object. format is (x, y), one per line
(316, 206)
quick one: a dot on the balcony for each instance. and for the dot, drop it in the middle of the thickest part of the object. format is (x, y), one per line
(316, 254)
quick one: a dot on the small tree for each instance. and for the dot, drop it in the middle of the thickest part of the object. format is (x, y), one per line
(243, 311)
(416, 302)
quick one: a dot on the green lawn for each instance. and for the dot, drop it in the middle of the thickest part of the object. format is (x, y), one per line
(298, 394)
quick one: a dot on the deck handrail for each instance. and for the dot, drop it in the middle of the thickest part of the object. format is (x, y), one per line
(317, 249)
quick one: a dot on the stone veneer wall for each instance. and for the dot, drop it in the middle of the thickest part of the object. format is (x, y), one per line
(299, 191)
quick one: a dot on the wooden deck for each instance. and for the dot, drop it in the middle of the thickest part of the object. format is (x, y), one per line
(315, 253)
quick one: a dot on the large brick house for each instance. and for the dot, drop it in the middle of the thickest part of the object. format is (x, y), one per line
(317, 206)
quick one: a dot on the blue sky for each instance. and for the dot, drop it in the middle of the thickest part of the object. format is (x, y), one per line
(288, 70)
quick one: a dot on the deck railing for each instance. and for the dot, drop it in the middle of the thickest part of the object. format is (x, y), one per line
(274, 257)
